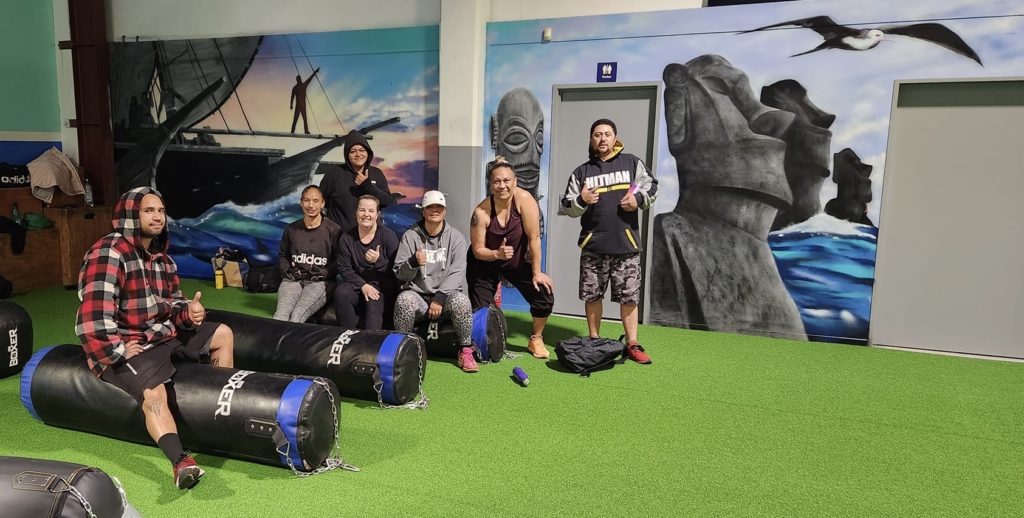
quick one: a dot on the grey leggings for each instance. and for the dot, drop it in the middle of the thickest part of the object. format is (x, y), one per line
(297, 301)
(410, 308)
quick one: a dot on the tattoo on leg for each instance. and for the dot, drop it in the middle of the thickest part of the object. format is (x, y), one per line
(214, 361)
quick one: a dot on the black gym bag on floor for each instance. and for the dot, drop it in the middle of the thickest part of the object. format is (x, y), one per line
(262, 279)
(583, 355)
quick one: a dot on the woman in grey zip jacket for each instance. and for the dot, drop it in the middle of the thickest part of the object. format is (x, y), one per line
(431, 267)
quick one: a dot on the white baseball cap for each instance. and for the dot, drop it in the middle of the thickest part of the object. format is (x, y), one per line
(433, 198)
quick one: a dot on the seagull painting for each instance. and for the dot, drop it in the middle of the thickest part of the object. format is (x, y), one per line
(847, 38)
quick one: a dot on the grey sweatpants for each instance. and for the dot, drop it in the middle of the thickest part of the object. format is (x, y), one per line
(297, 301)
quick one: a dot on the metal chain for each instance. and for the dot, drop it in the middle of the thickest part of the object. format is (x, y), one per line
(334, 459)
(77, 494)
(120, 491)
(508, 355)
(421, 401)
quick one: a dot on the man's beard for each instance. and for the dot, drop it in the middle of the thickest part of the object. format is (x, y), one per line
(146, 233)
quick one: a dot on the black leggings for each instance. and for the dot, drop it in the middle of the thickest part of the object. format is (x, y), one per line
(350, 302)
(483, 278)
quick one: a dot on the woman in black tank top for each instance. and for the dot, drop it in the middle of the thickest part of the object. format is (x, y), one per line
(505, 244)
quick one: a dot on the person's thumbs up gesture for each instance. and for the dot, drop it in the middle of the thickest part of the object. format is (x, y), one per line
(196, 311)
(373, 254)
(361, 176)
(505, 252)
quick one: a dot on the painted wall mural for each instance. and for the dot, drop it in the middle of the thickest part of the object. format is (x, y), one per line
(517, 133)
(231, 129)
(773, 131)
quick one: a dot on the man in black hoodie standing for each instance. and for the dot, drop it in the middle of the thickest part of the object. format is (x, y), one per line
(606, 193)
(343, 185)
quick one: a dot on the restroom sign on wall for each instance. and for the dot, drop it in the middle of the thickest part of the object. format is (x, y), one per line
(607, 71)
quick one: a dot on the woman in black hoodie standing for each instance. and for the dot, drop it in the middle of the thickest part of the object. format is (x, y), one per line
(343, 185)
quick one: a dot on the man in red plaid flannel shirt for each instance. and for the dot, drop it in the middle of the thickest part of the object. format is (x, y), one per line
(134, 319)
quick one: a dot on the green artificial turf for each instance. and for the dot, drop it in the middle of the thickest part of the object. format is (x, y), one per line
(719, 424)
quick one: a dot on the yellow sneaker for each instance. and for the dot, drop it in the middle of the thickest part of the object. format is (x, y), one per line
(537, 347)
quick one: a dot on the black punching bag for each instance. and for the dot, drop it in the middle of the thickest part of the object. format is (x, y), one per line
(52, 489)
(230, 412)
(15, 338)
(384, 366)
(489, 335)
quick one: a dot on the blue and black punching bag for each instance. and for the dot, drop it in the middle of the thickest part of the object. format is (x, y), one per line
(489, 335)
(383, 366)
(15, 338)
(272, 418)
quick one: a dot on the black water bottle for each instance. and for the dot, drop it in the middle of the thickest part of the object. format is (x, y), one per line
(15, 213)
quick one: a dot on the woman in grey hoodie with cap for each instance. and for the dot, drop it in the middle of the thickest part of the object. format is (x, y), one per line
(431, 266)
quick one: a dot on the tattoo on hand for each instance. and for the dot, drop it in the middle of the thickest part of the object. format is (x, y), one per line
(155, 410)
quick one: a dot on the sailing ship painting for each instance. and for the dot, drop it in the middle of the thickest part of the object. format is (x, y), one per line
(205, 122)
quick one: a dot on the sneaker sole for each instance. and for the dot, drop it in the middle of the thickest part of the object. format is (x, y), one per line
(189, 477)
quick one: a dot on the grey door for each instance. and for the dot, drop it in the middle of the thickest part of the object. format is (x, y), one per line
(634, 108)
(949, 269)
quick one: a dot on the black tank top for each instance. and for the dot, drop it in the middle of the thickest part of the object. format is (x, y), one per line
(512, 233)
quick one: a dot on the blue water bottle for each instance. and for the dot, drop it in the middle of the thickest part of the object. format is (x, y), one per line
(520, 376)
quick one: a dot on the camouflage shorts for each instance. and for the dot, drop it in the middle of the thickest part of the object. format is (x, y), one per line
(623, 270)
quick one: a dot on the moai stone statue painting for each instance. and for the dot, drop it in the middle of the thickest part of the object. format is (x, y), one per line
(711, 257)
(807, 148)
(853, 178)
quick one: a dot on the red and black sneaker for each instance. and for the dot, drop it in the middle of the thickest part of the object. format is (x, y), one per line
(186, 472)
(637, 354)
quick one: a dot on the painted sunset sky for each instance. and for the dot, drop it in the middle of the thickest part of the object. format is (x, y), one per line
(365, 77)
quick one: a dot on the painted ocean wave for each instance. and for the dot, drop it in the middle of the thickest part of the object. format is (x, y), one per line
(828, 267)
(255, 230)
